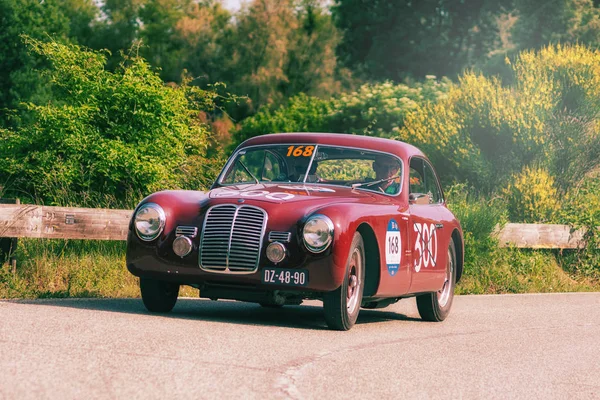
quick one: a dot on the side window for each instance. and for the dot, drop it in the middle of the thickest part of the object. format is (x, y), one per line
(431, 184)
(424, 187)
(416, 178)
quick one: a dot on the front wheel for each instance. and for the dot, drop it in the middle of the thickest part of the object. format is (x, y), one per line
(158, 296)
(343, 304)
(436, 306)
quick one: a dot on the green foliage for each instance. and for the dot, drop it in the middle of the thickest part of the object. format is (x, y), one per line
(70, 268)
(108, 137)
(581, 207)
(380, 109)
(373, 109)
(541, 22)
(508, 270)
(38, 19)
(483, 132)
(532, 196)
(280, 49)
(301, 114)
(202, 37)
(581, 210)
(567, 79)
(393, 39)
(479, 219)
(117, 30)
(269, 52)
(491, 269)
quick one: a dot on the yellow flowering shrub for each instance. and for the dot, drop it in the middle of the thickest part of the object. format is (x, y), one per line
(484, 131)
(531, 196)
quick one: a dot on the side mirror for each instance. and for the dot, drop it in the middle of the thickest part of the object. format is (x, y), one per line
(419, 198)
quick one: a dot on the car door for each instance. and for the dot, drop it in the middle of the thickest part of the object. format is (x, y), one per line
(426, 207)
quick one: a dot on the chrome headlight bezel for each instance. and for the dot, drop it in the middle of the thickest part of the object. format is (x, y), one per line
(162, 218)
(317, 246)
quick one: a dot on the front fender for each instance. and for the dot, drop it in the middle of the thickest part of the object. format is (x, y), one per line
(346, 220)
(181, 207)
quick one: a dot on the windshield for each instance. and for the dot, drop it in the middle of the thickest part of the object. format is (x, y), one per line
(364, 169)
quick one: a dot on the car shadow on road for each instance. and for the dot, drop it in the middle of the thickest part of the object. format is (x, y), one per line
(233, 312)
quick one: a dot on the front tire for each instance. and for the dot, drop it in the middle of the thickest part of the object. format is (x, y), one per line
(436, 306)
(342, 305)
(158, 296)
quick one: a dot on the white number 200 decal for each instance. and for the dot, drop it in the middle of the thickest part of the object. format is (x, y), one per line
(426, 244)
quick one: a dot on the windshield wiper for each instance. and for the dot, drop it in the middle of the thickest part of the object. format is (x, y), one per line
(248, 171)
(367, 184)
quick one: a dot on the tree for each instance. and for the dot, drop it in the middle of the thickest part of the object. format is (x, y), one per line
(393, 39)
(117, 29)
(311, 64)
(280, 49)
(259, 42)
(203, 33)
(541, 22)
(162, 46)
(38, 19)
(109, 137)
(82, 16)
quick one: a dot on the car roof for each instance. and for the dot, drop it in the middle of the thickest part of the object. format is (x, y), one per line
(401, 149)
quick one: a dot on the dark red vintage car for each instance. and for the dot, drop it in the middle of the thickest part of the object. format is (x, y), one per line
(350, 220)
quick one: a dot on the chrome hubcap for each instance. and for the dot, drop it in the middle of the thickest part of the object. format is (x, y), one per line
(447, 289)
(353, 282)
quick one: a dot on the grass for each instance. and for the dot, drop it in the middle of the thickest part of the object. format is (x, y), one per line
(490, 269)
(77, 268)
(510, 270)
(71, 268)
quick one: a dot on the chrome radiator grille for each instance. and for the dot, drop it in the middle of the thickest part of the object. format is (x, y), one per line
(232, 238)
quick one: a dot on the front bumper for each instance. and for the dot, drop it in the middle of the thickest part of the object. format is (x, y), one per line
(143, 262)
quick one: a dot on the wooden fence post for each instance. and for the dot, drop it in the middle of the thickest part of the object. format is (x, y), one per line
(9, 245)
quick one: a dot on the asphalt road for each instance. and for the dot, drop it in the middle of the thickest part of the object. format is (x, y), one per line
(511, 346)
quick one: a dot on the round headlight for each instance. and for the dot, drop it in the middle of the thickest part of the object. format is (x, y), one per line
(149, 221)
(318, 233)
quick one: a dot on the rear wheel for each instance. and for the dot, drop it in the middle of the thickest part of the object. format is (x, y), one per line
(343, 304)
(436, 306)
(158, 296)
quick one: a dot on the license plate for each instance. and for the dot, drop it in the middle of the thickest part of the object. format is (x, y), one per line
(286, 277)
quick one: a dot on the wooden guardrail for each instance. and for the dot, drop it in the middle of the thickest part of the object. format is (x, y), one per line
(8, 245)
(540, 236)
(31, 221)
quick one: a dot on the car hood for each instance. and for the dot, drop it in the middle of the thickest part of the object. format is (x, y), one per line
(290, 193)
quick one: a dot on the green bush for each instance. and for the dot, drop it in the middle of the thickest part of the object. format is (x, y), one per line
(491, 269)
(301, 114)
(532, 196)
(477, 131)
(479, 218)
(374, 109)
(480, 133)
(106, 138)
(484, 132)
(581, 210)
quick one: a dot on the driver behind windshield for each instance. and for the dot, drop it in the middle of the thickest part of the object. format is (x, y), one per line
(387, 168)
